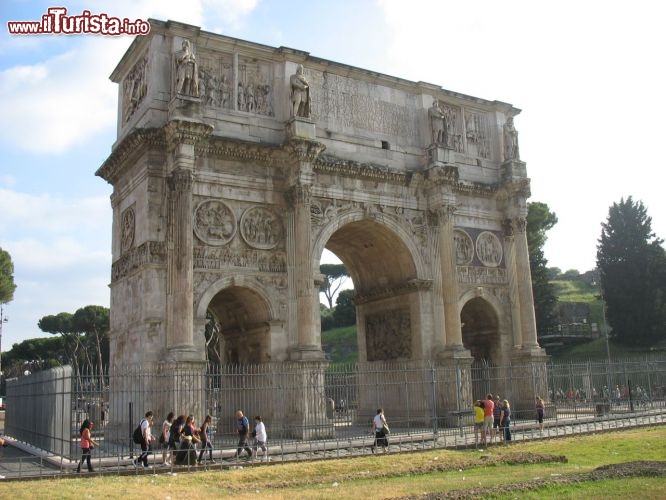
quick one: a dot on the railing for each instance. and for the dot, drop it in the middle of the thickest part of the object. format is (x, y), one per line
(329, 405)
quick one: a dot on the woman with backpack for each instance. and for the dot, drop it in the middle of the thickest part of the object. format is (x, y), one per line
(87, 444)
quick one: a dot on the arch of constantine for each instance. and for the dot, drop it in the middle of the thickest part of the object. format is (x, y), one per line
(236, 164)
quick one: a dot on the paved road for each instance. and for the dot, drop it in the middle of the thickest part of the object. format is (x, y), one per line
(18, 461)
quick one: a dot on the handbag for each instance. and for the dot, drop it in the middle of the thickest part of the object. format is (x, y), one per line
(387, 431)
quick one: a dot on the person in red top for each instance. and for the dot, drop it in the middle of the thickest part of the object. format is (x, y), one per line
(87, 444)
(488, 418)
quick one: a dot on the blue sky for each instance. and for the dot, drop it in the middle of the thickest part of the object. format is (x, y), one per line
(587, 75)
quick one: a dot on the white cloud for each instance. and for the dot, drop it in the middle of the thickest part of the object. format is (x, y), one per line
(46, 215)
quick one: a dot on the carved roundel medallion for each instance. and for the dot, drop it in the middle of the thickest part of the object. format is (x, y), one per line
(464, 247)
(214, 223)
(489, 249)
(127, 230)
(261, 228)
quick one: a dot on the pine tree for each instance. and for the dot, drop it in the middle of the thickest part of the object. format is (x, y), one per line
(632, 267)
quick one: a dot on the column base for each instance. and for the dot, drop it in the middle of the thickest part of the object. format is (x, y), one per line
(451, 352)
(307, 353)
(183, 353)
(529, 353)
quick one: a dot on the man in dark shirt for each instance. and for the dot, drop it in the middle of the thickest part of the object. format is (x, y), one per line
(243, 427)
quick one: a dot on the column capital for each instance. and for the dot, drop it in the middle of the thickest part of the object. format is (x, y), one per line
(300, 194)
(185, 132)
(181, 180)
(303, 150)
(442, 214)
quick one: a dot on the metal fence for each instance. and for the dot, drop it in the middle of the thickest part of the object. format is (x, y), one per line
(306, 402)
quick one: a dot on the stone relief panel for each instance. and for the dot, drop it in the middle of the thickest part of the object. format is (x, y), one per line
(475, 275)
(464, 247)
(348, 103)
(254, 93)
(135, 88)
(214, 222)
(215, 77)
(477, 133)
(489, 249)
(150, 252)
(206, 257)
(127, 230)
(261, 228)
(388, 335)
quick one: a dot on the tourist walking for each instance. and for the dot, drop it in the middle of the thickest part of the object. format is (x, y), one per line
(146, 440)
(381, 430)
(87, 445)
(164, 438)
(540, 408)
(243, 428)
(260, 437)
(505, 420)
(205, 440)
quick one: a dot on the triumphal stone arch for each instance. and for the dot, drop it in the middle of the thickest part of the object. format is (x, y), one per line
(237, 164)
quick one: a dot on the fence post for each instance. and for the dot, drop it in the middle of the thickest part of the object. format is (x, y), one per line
(131, 431)
(433, 377)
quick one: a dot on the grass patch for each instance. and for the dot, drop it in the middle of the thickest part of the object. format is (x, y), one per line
(565, 467)
(340, 344)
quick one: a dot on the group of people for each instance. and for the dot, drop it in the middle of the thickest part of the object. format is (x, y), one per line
(180, 438)
(492, 419)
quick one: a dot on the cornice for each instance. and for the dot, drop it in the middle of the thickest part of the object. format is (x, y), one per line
(138, 139)
(221, 148)
(384, 293)
(331, 165)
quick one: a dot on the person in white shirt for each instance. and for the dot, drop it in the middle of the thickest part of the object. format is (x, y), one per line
(381, 430)
(260, 437)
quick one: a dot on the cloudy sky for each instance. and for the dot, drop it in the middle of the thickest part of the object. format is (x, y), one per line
(588, 76)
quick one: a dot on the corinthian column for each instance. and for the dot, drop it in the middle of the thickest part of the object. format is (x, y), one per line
(182, 136)
(447, 262)
(524, 279)
(299, 257)
(514, 299)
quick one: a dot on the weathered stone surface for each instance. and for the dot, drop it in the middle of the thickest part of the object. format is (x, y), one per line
(236, 164)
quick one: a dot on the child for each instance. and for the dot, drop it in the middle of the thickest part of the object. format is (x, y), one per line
(260, 437)
(479, 435)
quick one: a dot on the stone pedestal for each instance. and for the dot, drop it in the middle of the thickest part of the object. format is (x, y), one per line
(439, 155)
(184, 107)
(513, 170)
(300, 128)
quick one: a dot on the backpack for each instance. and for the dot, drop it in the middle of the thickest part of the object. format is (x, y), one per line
(137, 436)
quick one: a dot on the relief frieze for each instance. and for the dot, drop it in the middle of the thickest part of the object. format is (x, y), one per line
(476, 275)
(388, 335)
(214, 222)
(206, 257)
(150, 252)
(261, 228)
(135, 88)
(127, 230)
